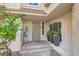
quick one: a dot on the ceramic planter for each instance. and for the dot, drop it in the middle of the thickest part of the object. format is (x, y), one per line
(51, 39)
(56, 40)
(48, 37)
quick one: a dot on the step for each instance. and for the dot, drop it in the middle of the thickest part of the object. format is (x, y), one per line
(34, 50)
(35, 44)
(35, 47)
(41, 53)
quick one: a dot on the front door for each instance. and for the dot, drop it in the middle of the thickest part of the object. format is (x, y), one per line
(36, 31)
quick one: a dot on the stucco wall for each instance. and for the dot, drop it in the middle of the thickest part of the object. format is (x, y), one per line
(75, 28)
(29, 32)
(66, 21)
(13, 5)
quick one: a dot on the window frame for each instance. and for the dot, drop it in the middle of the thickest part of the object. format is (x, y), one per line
(33, 5)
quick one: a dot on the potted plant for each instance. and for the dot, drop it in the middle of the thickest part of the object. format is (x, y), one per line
(49, 36)
(53, 37)
(56, 38)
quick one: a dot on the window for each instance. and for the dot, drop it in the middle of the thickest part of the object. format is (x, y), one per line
(33, 4)
(42, 28)
(55, 27)
(50, 27)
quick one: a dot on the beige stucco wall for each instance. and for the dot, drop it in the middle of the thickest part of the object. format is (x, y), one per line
(75, 28)
(66, 31)
(13, 5)
(29, 32)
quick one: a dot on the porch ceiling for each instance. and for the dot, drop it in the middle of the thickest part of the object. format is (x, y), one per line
(59, 10)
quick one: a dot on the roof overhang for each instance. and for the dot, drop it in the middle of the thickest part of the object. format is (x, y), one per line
(44, 14)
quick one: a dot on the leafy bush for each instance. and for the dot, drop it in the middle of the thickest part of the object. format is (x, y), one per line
(53, 33)
(8, 26)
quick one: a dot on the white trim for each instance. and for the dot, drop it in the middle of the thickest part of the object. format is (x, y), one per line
(28, 13)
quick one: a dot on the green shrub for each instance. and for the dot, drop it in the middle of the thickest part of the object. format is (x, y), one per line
(8, 26)
(53, 33)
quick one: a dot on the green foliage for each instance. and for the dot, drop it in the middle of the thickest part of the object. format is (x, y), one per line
(25, 29)
(9, 25)
(8, 29)
(53, 33)
(3, 52)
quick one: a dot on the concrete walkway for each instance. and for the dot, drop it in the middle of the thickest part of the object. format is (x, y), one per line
(37, 48)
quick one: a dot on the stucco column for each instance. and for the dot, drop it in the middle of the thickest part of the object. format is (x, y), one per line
(75, 29)
(15, 45)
